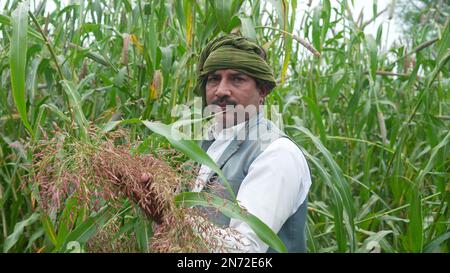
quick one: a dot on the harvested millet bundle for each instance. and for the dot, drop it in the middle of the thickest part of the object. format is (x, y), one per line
(103, 171)
(108, 240)
(186, 230)
(61, 168)
(154, 194)
(148, 182)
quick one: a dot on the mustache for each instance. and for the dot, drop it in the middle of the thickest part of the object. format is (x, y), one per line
(222, 100)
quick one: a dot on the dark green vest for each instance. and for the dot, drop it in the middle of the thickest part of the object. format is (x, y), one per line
(235, 162)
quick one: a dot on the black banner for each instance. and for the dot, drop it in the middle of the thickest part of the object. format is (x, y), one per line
(130, 263)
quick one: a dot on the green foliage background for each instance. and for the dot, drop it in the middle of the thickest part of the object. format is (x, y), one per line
(373, 123)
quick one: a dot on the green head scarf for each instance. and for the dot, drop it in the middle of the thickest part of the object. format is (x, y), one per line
(233, 52)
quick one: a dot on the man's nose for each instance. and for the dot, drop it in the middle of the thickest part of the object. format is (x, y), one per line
(223, 89)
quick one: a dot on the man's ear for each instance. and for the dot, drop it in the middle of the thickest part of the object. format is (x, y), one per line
(263, 93)
(264, 90)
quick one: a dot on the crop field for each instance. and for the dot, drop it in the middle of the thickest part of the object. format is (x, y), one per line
(87, 97)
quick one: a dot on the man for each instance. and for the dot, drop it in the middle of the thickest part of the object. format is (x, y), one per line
(267, 171)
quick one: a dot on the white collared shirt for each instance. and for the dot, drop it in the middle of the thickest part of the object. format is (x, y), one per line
(277, 183)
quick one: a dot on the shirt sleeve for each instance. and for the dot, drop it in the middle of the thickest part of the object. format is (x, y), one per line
(276, 185)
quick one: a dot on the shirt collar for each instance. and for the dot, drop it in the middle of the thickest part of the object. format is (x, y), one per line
(215, 132)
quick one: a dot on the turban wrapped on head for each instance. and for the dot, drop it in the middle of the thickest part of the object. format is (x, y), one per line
(237, 53)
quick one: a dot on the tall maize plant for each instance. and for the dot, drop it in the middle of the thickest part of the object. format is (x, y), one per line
(372, 120)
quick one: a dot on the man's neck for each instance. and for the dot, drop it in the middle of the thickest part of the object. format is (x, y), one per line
(220, 131)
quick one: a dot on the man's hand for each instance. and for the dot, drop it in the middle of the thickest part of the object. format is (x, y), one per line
(146, 178)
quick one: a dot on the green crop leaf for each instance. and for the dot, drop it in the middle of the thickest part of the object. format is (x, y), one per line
(66, 221)
(435, 244)
(317, 116)
(143, 233)
(373, 53)
(75, 104)
(223, 12)
(113, 124)
(316, 29)
(247, 28)
(12, 239)
(343, 200)
(83, 232)
(188, 147)
(415, 227)
(18, 60)
(48, 228)
(232, 210)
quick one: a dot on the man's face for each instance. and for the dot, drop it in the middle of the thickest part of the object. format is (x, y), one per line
(226, 88)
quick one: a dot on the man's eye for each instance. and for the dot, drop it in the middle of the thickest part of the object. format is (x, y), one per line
(212, 79)
(238, 79)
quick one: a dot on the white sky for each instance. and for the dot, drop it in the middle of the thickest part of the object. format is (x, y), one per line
(394, 30)
(367, 7)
